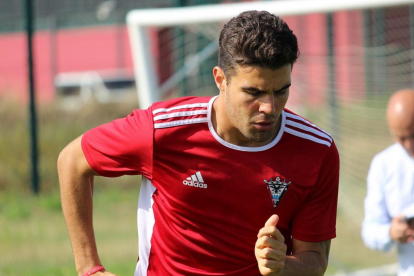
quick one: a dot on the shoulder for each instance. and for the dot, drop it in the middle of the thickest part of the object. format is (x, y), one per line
(180, 111)
(390, 161)
(310, 133)
(386, 165)
(389, 155)
(180, 103)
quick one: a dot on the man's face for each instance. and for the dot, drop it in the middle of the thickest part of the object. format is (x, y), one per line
(254, 100)
(400, 118)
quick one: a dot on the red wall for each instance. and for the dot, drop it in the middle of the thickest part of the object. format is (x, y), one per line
(92, 48)
(96, 48)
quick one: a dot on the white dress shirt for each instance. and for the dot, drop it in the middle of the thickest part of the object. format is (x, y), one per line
(390, 193)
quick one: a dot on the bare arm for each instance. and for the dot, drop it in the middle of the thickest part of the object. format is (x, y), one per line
(76, 187)
(309, 258)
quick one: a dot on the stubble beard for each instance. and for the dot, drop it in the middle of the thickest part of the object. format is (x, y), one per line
(245, 126)
(260, 136)
(247, 129)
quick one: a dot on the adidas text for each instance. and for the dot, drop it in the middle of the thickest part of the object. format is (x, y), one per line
(196, 180)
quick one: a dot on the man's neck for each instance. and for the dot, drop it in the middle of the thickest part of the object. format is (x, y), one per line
(219, 121)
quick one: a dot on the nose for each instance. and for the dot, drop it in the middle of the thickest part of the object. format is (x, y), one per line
(267, 104)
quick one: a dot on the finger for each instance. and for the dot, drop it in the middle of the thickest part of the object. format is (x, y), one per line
(272, 221)
(409, 232)
(269, 261)
(270, 229)
(278, 254)
(267, 241)
(268, 271)
(271, 264)
(272, 232)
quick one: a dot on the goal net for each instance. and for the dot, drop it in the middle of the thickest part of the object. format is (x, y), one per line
(354, 54)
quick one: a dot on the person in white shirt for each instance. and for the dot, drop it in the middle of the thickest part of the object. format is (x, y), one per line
(389, 204)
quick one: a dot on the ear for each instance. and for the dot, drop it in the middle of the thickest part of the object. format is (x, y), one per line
(219, 78)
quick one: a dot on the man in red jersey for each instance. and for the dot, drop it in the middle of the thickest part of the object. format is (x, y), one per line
(234, 184)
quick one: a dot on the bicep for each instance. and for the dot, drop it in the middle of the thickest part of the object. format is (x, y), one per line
(72, 160)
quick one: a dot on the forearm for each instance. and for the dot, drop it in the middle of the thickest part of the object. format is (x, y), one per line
(308, 258)
(306, 263)
(76, 186)
(77, 210)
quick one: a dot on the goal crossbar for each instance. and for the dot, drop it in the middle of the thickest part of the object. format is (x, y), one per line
(163, 17)
(139, 20)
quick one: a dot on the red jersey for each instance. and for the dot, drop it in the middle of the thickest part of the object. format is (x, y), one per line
(203, 200)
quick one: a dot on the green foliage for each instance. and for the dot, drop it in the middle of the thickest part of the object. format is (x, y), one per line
(56, 128)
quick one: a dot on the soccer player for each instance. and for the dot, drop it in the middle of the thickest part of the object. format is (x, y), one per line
(234, 184)
(389, 204)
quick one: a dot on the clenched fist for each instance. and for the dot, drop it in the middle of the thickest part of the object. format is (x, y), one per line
(270, 249)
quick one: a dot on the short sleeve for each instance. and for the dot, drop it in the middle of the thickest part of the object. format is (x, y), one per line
(121, 147)
(315, 221)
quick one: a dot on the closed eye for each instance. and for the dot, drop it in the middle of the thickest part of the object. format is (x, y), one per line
(253, 91)
(281, 92)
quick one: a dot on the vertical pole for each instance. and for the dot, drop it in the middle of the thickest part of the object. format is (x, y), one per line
(120, 23)
(332, 89)
(380, 61)
(53, 48)
(180, 44)
(32, 106)
(367, 52)
(148, 88)
(412, 43)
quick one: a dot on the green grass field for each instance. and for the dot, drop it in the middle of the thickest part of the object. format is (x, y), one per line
(34, 240)
(33, 236)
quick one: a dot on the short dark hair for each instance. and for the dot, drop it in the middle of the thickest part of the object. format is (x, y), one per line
(256, 38)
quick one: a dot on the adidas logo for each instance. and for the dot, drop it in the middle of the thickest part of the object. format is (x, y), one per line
(196, 180)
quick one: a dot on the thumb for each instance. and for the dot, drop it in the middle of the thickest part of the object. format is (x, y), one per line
(272, 221)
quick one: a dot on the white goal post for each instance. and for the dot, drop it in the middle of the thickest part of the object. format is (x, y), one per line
(139, 21)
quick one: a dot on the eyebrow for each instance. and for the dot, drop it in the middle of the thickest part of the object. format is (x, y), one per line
(254, 89)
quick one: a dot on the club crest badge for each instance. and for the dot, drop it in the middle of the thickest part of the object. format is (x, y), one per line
(276, 189)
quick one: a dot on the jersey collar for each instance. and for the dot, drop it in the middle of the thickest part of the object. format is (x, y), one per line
(240, 148)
